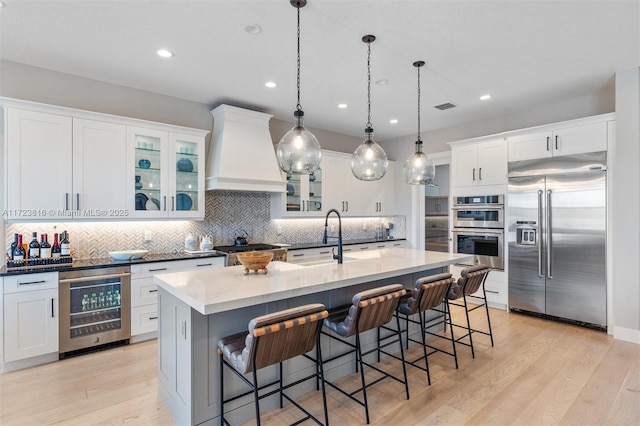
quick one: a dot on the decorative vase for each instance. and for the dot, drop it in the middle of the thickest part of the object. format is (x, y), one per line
(138, 183)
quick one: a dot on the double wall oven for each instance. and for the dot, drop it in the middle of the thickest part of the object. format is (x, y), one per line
(478, 228)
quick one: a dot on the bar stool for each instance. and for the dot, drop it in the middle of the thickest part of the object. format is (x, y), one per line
(428, 294)
(272, 339)
(470, 281)
(369, 309)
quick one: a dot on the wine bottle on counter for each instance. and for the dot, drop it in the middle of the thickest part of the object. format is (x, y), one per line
(55, 249)
(65, 246)
(14, 244)
(45, 247)
(34, 247)
(19, 253)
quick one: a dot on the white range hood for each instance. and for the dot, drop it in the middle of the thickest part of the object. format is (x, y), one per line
(242, 156)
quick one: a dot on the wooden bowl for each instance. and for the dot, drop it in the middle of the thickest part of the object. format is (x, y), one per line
(255, 260)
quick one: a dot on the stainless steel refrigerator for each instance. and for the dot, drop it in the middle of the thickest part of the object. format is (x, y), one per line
(557, 238)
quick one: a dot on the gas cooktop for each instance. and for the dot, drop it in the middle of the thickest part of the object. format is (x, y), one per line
(246, 247)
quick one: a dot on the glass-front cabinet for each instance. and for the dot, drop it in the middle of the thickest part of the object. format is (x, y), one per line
(304, 195)
(168, 174)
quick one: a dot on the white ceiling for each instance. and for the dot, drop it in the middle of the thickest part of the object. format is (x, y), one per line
(521, 52)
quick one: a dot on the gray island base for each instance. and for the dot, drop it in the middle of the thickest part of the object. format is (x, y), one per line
(197, 308)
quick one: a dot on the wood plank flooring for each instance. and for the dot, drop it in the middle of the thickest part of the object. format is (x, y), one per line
(538, 373)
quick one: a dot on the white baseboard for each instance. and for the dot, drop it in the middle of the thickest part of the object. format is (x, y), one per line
(626, 334)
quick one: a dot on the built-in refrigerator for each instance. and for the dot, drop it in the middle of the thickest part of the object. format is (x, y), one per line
(557, 238)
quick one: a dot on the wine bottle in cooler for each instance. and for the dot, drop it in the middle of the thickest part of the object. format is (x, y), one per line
(55, 249)
(14, 244)
(65, 246)
(19, 253)
(34, 247)
(45, 247)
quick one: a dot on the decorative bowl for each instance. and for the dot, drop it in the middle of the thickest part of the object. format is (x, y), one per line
(184, 165)
(128, 254)
(144, 164)
(255, 260)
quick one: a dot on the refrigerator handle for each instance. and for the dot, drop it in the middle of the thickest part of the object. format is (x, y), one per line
(549, 232)
(539, 239)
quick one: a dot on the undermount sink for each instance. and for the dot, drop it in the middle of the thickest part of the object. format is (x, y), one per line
(325, 261)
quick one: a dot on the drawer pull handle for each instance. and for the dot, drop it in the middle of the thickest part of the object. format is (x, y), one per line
(153, 318)
(32, 282)
(381, 246)
(153, 291)
(346, 249)
(325, 252)
(298, 255)
(157, 269)
(364, 248)
(492, 291)
(204, 264)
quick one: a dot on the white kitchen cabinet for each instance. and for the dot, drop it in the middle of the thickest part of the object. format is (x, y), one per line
(39, 163)
(68, 164)
(30, 323)
(165, 174)
(303, 197)
(568, 138)
(144, 292)
(479, 163)
(99, 166)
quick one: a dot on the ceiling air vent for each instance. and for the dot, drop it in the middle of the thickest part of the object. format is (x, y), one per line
(444, 106)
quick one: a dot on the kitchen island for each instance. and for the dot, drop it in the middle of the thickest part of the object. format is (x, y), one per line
(197, 308)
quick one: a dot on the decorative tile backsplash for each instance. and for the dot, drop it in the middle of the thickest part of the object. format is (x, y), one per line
(227, 214)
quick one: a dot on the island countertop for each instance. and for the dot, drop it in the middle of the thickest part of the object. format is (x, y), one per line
(224, 289)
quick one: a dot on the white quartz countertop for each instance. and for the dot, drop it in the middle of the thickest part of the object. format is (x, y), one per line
(223, 289)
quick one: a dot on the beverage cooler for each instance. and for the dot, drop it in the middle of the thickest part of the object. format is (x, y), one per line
(94, 309)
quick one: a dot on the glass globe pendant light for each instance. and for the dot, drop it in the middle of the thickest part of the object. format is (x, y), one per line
(298, 151)
(419, 169)
(369, 161)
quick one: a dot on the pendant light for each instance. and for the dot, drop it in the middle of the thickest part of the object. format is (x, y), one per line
(298, 151)
(419, 169)
(369, 161)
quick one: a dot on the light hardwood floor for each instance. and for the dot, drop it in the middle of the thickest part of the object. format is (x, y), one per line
(539, 372)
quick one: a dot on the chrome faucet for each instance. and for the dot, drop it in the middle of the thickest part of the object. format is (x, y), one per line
(325, 236)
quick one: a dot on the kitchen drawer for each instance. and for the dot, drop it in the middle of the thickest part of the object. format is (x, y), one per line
(143, 292)
(150, 269)
(144, 319)
(30, 282)
(296, 256)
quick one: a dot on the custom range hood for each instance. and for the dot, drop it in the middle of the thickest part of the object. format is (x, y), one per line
(242, 156)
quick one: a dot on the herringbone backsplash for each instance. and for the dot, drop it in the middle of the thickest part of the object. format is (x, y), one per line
(227, 214)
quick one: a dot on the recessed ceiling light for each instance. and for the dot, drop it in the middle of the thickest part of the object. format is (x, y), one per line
(393, 121)
(253, 29)
(485, 97)
(164, 53)
(382, 82)
(270, 84)
(342, 106)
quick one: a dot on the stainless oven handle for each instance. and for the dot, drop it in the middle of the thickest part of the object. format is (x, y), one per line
(477, 231)
(94, 277)
(539, 225)
(478, 207)
(549, 231)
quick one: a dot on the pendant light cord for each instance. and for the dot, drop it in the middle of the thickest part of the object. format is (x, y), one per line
(419, 140)
(299, 107)
(368, 125)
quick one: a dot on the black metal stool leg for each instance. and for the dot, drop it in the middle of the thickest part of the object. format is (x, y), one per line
(424, 347)
(466, 311)
(447, 311)
(221, 396)
(320, 371)
(364, 386)
(404, 366)
(486, 308)
(255, 396)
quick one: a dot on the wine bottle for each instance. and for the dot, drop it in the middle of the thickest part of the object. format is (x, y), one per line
(19, 253)
(55, 249)
(45, 247)
(14, 244)
(34, 247)
(65, 247)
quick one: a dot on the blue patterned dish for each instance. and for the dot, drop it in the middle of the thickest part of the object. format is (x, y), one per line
(183, 202)
(184, 165)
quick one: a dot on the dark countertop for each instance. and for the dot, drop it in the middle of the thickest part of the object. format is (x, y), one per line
(103, 262)
(334, 243)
